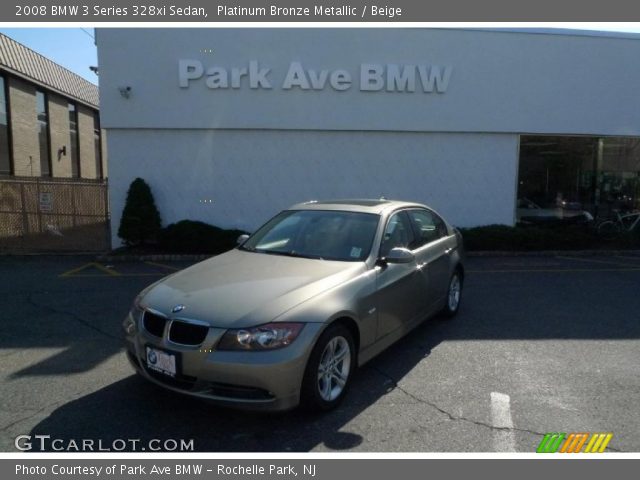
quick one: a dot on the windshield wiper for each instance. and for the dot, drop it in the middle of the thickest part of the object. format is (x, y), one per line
(303, 255)
(291, 253)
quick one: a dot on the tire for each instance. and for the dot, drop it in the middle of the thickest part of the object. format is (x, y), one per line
(325, 392)
(609, 229)
(454, 296)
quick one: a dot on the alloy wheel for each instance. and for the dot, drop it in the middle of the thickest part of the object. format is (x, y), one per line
(334, 368)
(454, 293)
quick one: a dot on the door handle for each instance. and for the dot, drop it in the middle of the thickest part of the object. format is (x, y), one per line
(449, 250)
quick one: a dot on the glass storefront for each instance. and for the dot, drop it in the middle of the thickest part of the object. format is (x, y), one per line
(570, 178)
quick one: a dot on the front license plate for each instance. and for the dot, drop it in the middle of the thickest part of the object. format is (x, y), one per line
(161, 361)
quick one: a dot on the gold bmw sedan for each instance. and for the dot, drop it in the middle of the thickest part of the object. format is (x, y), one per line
(287, 316)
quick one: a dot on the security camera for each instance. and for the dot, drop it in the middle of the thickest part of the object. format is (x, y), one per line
(125, 91)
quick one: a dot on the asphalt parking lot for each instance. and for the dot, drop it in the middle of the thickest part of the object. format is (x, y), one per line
(541, 344)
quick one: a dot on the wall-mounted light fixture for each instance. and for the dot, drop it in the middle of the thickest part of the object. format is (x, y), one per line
(125, 91)
(62, 151)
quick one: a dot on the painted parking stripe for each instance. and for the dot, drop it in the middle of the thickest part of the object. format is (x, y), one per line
(76, 271)
(109, 271)
(503, 440)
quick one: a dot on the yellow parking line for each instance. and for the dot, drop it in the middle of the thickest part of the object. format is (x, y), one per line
(74, 272)
(106, 270)
(161, 265)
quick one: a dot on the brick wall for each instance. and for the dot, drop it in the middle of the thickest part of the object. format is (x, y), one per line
(59, 131)
(26, 151)
(24, 131)
(87, 149)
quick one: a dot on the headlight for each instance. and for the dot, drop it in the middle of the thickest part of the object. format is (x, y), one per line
(130, 324)
(264, 337)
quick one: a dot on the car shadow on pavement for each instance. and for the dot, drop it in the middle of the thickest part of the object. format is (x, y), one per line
(133, 408)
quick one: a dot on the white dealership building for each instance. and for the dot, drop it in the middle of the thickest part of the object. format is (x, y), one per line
(229, 126)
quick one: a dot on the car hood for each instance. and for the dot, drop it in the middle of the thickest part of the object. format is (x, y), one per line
(241, 289)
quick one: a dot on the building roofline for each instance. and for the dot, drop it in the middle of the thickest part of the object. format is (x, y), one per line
(567, 32)
(46, 86)
(46, 73)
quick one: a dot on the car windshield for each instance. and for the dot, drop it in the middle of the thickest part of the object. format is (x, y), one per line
(321, 234)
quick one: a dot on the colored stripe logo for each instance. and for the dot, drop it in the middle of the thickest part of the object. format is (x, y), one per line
(574, 442)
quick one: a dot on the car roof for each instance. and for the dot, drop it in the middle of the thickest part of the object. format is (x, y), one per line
(375, 206)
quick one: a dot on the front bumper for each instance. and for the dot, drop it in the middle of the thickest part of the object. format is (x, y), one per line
(256, 380)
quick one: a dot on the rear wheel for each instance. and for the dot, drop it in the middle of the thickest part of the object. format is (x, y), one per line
(454, 295)
(329, 369)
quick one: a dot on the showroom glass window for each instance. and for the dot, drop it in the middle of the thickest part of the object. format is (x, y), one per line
(618, 181)
(74, 144)
(560, 176)
(5, 146)
(97, 144)
(42, 112)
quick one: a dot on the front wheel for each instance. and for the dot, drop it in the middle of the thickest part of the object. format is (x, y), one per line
(454, 295)
(329, 369)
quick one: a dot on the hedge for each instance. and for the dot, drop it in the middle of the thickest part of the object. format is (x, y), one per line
(189, 236)
(531, 238)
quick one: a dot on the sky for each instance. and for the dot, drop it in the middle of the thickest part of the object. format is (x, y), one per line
(74, 48)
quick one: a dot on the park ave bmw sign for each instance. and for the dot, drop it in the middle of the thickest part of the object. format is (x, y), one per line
(371, 77)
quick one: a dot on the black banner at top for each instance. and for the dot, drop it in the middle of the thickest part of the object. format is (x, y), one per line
(92, 11)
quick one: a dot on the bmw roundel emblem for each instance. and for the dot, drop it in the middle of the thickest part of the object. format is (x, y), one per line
(177, 308)
(152, 357)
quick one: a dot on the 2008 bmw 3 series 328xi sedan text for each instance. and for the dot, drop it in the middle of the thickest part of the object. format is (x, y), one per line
(287, 316)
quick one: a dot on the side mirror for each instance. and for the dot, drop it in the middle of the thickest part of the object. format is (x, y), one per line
(242, 238)
(399, 255)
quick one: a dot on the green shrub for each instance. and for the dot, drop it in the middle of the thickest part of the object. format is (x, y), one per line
(531, 238)
(189, 236)
(140, 222)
